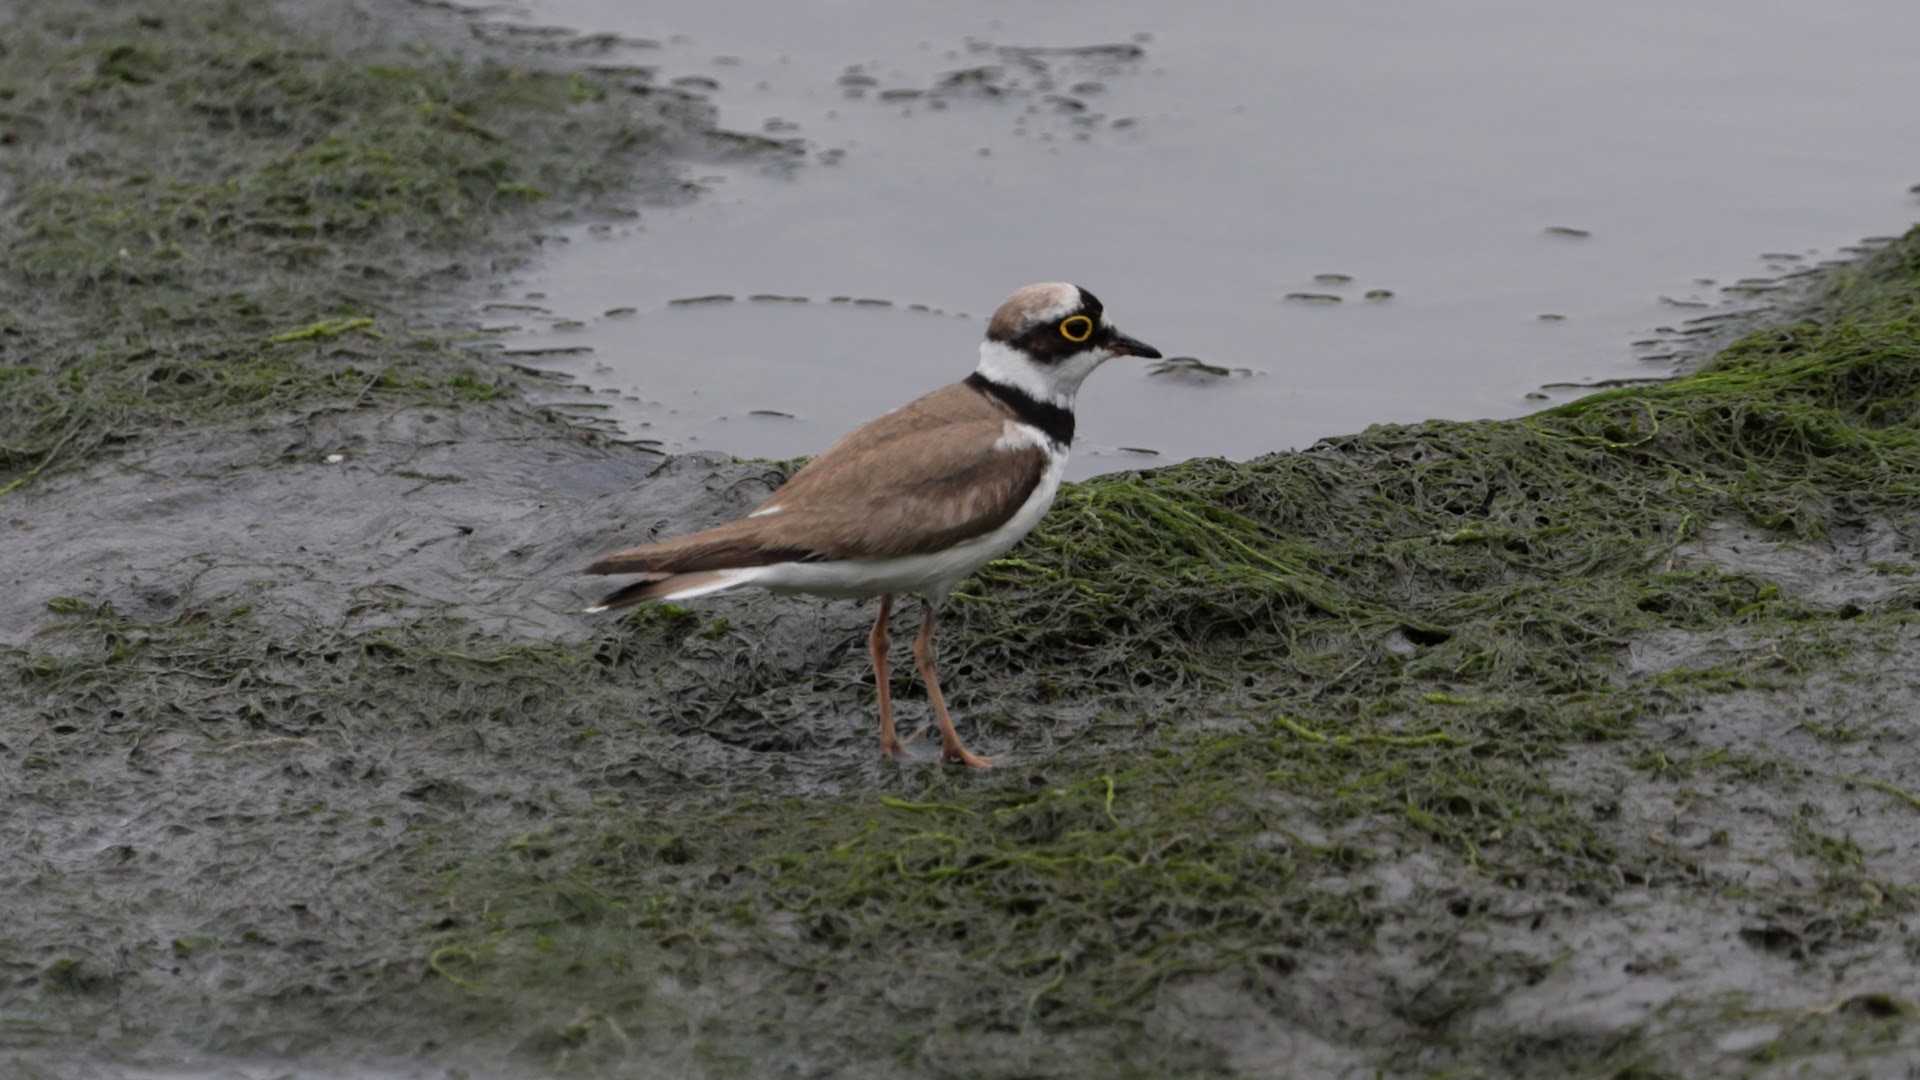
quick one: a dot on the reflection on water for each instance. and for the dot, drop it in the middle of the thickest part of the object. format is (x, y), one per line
(1373, 212)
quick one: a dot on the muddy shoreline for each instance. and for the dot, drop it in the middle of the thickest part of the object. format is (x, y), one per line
(1580, 744)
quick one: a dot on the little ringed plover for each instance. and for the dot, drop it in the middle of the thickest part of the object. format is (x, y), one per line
(915, 500)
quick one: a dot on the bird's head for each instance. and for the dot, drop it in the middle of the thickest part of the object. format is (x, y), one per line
(1046, 338)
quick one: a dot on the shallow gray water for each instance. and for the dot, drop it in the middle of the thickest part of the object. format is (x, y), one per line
(1424, 149)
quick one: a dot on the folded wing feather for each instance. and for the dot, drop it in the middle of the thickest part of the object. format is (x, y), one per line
(924, 477)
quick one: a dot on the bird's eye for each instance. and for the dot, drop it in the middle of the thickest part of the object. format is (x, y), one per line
(1076, 328)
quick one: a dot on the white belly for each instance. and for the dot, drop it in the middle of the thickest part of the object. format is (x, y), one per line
(931, 575)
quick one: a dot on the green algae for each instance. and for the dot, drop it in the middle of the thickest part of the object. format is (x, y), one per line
(189, 181)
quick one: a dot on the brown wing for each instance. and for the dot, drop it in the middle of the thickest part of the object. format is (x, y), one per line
(923, 477)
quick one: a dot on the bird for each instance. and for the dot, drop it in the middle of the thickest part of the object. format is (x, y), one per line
(915, 500)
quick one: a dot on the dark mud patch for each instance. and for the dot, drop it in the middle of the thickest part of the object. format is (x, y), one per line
(363, 519)
(1780, 795)
(1861, 563)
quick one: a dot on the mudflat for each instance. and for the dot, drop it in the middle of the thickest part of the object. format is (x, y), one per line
(1577, 744)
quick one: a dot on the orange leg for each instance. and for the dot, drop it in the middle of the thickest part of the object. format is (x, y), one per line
(883, 680)
(950, 748)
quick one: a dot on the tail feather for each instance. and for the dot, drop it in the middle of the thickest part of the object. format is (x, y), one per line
(736, 544)
(675, 587)
(635, 561)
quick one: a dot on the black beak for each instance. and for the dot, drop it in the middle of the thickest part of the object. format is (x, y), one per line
(1121, 345)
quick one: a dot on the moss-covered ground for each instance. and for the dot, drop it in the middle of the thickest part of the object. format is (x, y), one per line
(1579, 744)
(212, 216)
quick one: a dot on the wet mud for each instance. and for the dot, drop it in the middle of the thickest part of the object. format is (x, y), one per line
(1579, 744)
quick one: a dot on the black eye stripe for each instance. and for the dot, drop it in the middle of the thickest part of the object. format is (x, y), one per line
(1048, 344)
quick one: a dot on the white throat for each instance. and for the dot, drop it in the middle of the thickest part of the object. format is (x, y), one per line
(1056, 384)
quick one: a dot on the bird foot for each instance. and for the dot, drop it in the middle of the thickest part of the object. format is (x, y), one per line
(894, 750)
(956, 754)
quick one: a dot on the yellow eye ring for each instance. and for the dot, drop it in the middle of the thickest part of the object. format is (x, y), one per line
(1076, 328)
